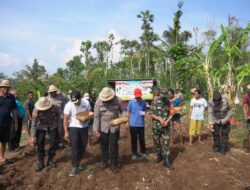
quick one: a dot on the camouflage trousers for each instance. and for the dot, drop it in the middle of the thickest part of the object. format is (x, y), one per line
(161, 138)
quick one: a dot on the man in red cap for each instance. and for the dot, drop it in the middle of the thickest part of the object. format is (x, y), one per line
(136, 114)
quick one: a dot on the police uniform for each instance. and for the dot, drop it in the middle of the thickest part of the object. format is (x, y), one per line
(42, 122)
(104, 113)
(221, 131)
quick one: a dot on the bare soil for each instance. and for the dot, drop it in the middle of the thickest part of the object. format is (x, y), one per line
(196, 168)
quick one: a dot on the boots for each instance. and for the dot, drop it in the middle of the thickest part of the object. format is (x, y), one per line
(104, 165)
(50, 163)
(114, 167)
(159, 158)
(223, 150)
(40, 165)
(216, 148)
(167, 164)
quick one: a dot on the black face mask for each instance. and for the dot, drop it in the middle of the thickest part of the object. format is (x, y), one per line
(165, 100)
(217, 99)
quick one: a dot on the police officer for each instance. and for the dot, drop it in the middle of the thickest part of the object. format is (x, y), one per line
(107, 107)
(160, 113)
(45, 118)
(58, 100)
(219, 114)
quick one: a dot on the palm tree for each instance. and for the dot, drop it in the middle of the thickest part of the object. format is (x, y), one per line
(148, 36)
(174, 35)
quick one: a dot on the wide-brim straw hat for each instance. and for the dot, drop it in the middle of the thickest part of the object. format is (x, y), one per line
(5, 83)
(52, 88)
(43, 104)
(106, 94)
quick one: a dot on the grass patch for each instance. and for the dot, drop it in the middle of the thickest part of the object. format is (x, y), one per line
(238, 136)
(61, 174)
(89, 168)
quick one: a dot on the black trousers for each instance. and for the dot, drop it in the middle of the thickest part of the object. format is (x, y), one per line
(220, 134)
(137, 132)
(79, 140)
(15, 135)
(40, 136)
(109, 146)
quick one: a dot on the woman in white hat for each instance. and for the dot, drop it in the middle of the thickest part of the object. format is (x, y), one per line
(45, 118)
(107, 107)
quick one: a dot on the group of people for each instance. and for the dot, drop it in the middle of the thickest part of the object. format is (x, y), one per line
(57, 116)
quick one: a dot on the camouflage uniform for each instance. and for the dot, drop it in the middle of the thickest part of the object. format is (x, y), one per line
(159, 108)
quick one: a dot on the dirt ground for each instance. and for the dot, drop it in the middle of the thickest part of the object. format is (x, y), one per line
(196, 168)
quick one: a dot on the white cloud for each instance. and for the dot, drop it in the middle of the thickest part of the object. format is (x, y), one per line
(8, 60)
(30, 61)
(75, 48)
(18, 32)
(117, 47)
(73, 51)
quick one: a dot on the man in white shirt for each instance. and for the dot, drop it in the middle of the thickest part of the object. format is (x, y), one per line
(75, 130)
(198, 105)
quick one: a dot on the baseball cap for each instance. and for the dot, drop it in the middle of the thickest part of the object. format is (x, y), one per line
(86, 96)
(137, 93)
(75, 97)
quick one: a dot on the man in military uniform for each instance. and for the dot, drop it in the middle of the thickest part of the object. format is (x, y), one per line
(107, 108)
(45, 118)
(160, 113)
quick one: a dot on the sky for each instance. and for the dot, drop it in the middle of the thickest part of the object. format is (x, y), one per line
(52, 31)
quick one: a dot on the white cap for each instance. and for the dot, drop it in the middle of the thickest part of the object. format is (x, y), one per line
(86, 96)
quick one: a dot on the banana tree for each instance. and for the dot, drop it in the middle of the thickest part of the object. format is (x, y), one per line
(233, 51)
(242, 72)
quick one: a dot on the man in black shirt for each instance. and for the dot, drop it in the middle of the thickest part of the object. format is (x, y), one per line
(92, 100)
(7, 107)
(29, 106)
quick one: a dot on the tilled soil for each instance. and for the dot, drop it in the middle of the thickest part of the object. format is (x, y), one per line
(196, 168)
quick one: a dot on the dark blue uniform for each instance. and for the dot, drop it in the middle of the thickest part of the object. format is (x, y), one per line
(7, 104)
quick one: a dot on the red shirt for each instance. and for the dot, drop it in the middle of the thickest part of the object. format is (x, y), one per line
(246, 100)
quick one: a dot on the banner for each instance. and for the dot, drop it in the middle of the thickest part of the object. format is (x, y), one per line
(125, 89)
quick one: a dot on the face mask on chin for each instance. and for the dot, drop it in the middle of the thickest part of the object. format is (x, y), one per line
(164, 100)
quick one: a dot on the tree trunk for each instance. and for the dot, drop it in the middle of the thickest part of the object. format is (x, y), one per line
(140, 60)
(230, 79)
(131, 65)
(209, 85)
(148, 64)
